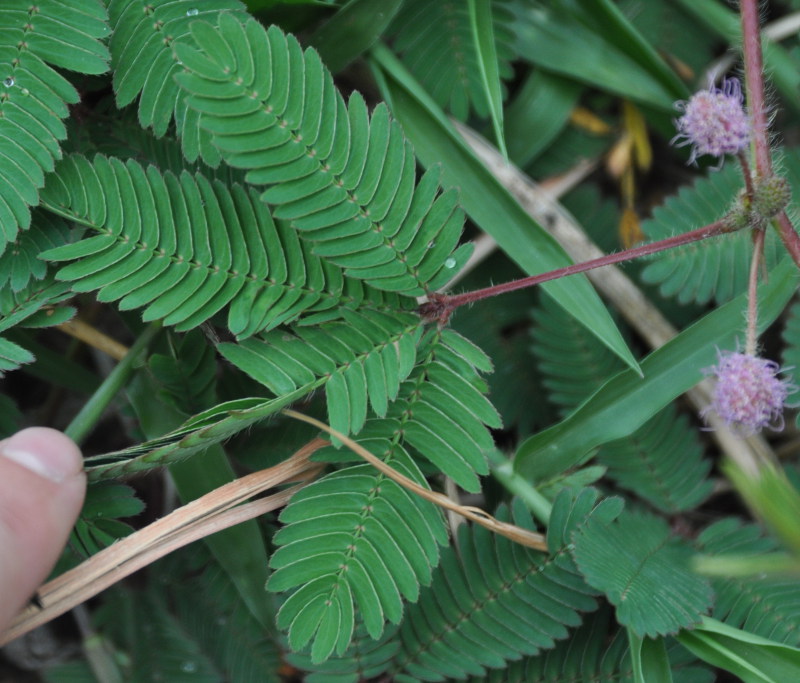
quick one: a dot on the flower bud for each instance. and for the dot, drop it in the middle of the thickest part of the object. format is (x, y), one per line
(772, 195)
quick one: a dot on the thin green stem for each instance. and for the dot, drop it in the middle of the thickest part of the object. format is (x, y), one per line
(87, 418)
(503, 470)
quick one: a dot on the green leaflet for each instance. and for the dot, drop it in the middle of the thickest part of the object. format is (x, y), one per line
(488, 203)
(638, 566)
(34, 38)
(183, 248)
(626, 401)
(344, 179)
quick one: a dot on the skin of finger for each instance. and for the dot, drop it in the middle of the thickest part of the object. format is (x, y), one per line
(36, 516)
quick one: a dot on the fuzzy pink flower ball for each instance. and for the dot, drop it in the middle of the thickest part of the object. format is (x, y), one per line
(714, 121)
(749, 395)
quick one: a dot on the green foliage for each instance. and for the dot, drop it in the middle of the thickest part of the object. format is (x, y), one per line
(365, 356)
(717, 269)
(511, 600)
(662, 461)
(261, 235)
(35, 38)
(264, 100)
(185, 247)
(437, 44)
(143, 60)
(99, 525)
(765, 605)
(635, 578)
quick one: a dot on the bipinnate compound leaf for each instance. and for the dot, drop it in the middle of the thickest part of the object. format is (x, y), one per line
(344, 178)
(493, 601)
(643, 571)
(36, 38)
(184, 247)
(487, 202)
(593, 652)
(438, 403)
(356, 542)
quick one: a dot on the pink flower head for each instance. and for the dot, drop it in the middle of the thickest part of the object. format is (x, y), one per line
(749, 396)
(714, 121)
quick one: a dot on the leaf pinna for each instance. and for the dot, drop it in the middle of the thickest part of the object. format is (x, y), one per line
(344, 179)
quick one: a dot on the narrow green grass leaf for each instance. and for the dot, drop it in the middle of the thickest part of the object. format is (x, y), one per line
(752, 658)
(481, 23)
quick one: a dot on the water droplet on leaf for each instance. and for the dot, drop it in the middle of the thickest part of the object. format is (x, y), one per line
(450, 263)
(192, 12)
(8, 82)
(431, 244)
(189, 667)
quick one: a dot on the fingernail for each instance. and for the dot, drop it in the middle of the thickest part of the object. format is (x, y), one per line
(45, 452)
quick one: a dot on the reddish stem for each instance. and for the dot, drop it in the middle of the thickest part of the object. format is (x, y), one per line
(754, 79)
(789, 236)
(440, 306)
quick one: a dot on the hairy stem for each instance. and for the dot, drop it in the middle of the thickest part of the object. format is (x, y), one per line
(754, 77)
(752, 293)
(754, 85)
(441, 306)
